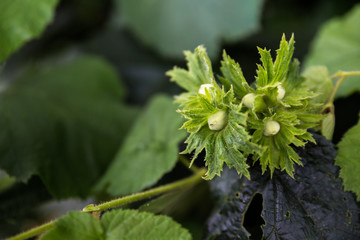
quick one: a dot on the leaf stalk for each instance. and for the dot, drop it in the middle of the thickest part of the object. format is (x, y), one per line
(194, 178)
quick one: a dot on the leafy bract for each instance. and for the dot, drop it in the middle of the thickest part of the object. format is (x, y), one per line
(244, 115)
(200, 71)
(337, 46)
(233, 76)
(310, 206)
(348, 159)
(149, 151)
(172, 26)
(231, 144)
(63, 120)
(117, 224)
(22, 20)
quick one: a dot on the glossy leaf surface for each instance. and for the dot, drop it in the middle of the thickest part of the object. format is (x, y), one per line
(311, 206)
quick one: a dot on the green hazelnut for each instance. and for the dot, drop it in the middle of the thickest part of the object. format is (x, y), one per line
(205, 86)
(281, 92)
(271, 128)
(249, 99)
(218, 120)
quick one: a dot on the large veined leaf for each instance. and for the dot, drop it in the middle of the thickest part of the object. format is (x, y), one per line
(311, 206)
(149, 151)
(348, 159)
(173, 26)
(117, 224)
(337, 46)
(64, 122)
(22, 20)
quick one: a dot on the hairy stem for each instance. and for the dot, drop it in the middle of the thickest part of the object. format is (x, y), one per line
(187, 164)
(194, 178)
(146, 194)
(34, 231)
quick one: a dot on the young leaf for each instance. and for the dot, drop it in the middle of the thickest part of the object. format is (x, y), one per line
(337, 46)
(63, 120)
(149, 151)
(311, 206)
(348, 159)
(161, 24)
(22, 20)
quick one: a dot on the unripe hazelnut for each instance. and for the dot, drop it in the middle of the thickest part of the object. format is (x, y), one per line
(271, 128)
(218, 120)
(249, 99)
(205, 86)
(281, 92)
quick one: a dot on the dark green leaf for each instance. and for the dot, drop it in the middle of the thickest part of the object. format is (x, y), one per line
(5, 181)
(311, 206)
(348, 159)
(63, 122)
(22, 20)
(173, 26)
(76, 225)
(150, 150)
(337, 46)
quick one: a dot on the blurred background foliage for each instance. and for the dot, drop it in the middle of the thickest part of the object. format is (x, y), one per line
(76, 75)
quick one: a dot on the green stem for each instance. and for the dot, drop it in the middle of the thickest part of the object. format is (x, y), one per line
(335, 88)
(119, 202)
(146, 194)
(187, 164)
(342, 76)
(33, 232)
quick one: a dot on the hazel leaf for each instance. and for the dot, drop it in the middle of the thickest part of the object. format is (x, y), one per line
(313, 205)
(152, 142)
(61, 116)
(348, 159)
(172, 26)
(337, 46)
(75, 225)
(117, 224)
(22, 20)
